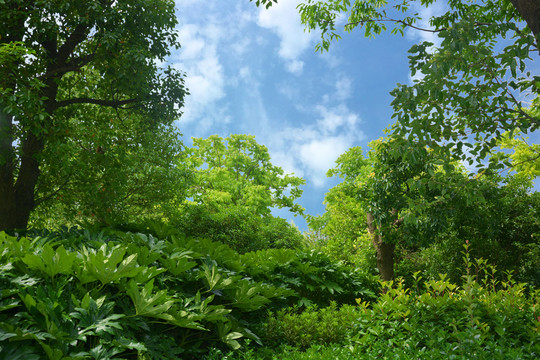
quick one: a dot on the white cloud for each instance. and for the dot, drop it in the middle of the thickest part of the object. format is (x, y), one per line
(310, 150)
(343, 88)
(338, 118)
(205, 76)
(295, 67)
(319, 155)
(283, 19)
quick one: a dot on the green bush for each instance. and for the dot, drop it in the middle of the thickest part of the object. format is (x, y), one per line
(316, 279)
(100, 295)
(311, 326)
(435, 319)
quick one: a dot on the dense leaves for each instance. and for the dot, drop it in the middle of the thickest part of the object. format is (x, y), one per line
(62, 63)
(76, 294)
(439, 320)
(234, 190)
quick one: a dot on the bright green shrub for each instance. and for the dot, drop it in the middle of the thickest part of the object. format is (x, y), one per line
(311, 326)
(444, 321)
(435, 319)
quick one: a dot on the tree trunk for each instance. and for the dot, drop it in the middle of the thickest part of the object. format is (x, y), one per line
(385, 252)
(17, 197)
(530, 12)
(7, 190)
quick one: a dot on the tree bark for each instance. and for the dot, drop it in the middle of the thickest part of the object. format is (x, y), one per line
(7, 193)
(385, 251)
(530, 12)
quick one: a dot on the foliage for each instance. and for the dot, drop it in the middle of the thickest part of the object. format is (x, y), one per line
(343, 225)
(386, 194)
(483, 319)
(239, 228)
(316, 279)
(234, 190)
(127, 174)
(311, 326)
(65, 65)
(471, 88)
(111, 294)
(503, 230)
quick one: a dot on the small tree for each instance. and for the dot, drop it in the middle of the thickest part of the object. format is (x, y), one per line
(234, 190)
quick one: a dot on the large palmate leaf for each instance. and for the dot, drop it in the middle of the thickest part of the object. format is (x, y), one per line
(107, 265)
(178, 262)
(215, 279)
(149, 304)
(96, 318)
(11, 351)
(51, 262)
(246, 295)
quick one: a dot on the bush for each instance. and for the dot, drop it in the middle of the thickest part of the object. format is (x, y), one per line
(316, 279)
(435, 319)
(311, 326)
(100, 295)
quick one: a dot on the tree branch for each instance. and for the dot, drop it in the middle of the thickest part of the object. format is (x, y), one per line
(47, 197)
(361, 22)
(77, 37)
(85, 100)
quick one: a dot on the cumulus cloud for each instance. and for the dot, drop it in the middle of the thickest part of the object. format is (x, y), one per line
(283, 19)
(205, 76)
(311, 149)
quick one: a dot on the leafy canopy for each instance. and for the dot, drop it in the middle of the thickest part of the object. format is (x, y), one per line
(470, 89)
(61, 63)
(237, 171)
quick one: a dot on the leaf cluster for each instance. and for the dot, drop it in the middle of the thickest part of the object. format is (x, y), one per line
(114, 294)
(315, 278)
(436, 320)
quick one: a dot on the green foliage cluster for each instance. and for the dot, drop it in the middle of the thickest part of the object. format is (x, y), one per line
(100, 295)
(311, 326)
(483, 319)
(504, 229)
(315, 278)
(233, 191)
(239, 228)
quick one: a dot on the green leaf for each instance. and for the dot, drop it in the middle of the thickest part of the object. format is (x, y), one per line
(51, 262)
(107, 265)
(214, 279)
(148, 304)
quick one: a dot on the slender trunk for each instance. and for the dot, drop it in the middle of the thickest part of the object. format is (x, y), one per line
(7, 191)
(385, 252)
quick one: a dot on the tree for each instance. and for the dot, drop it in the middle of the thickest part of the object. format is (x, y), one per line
(473, 87)
(68, 55)
(342, 227)
(405, 194)
(234, 190)
(109, 171)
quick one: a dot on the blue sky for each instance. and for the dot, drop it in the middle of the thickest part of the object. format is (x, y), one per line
(255, 71)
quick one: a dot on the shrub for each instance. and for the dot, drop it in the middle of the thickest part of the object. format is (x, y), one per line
(315, 278)
(312, 326)
(83, 294)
